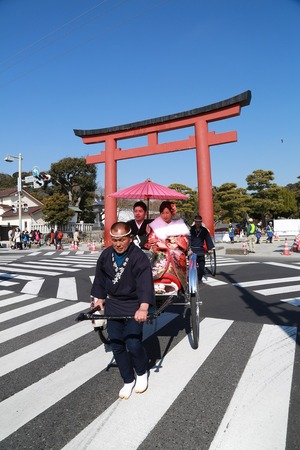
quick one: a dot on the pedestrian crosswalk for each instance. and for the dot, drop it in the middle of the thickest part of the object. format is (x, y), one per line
(266, 286)
(50, 276)
(57, 276)
(287, 284)
(58, 389)
(222, 263)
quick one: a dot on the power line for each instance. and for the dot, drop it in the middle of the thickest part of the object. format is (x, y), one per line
(51, 33)
(110, 29)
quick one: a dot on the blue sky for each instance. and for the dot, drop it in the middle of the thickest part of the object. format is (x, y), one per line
(88, 64)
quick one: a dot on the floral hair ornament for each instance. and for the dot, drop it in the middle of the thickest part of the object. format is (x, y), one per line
(121, 235)
(173, 209)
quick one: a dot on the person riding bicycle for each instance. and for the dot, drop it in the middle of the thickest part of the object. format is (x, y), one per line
(123, 286)
(200, 241)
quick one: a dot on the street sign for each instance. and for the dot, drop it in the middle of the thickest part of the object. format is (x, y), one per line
(38, 183)
(35, 171)
(29, 179)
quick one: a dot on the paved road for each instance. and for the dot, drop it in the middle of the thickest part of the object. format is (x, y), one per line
(239, 390)
(66, 275)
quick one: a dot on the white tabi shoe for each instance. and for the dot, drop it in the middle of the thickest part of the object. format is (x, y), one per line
(141, 383)
(126, 390)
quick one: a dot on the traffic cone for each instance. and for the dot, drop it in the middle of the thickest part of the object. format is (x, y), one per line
(244, 247)
(88, 244)
(72, 245)
(75, 245)
(93, 247)
(286, 250)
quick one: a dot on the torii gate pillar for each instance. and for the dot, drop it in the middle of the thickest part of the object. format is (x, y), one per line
(202, 140)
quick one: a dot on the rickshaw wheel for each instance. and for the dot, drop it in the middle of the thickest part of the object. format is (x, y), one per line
(195, 318)
(212, 262)
(103, 335)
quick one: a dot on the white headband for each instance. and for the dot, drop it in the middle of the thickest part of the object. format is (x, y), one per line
(120, 235)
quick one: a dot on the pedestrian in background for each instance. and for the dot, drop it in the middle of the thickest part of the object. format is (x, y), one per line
(251, 236)
(258, 233)
(200, 241)
(231, 233)
(25, 238)
(76, 237)
(18, 239)
(270, 232)
(58, 235)
(52, 237)
(11, 233)
(37, 237)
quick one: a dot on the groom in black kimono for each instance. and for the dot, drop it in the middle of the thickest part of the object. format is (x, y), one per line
(139, 224)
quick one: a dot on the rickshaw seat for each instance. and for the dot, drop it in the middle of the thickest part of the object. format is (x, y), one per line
(167, 284)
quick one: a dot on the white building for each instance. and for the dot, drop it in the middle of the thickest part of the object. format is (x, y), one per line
(31, 210)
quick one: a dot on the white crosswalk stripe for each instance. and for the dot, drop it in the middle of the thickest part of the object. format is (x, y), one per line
(5, 292)
(34, 351)
(267, 377)
(16, 276)
(233, 262)
(34, 324)
(286, 288)
(295, 301)
(278, 290)
(102, 429)
(61, 253)
(8, 283)
(12, 268)
(29, 308)
(33, 287)
(288, 266)
(39, 253)
(77, 263)
(9, 258)
(36, 273)
(41, 266)
(266, 282)
(67, 288)
(254, 407)
(15, 300)
(211, 281)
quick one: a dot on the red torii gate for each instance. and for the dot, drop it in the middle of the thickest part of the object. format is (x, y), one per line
(201, 141)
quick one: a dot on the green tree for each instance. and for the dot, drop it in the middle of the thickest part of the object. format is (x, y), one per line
(284, 204)
(186, 208)
(76, 179)
(231, 202)
(7, 181)
(269, 199)
(259, 180)
(295, 188)
(73, 177)
(264, 193)
(56, 210)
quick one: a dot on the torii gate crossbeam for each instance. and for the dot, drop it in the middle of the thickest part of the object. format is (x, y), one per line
(201, 140)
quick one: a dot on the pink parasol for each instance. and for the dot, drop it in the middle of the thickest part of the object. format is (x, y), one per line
(149, 190)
